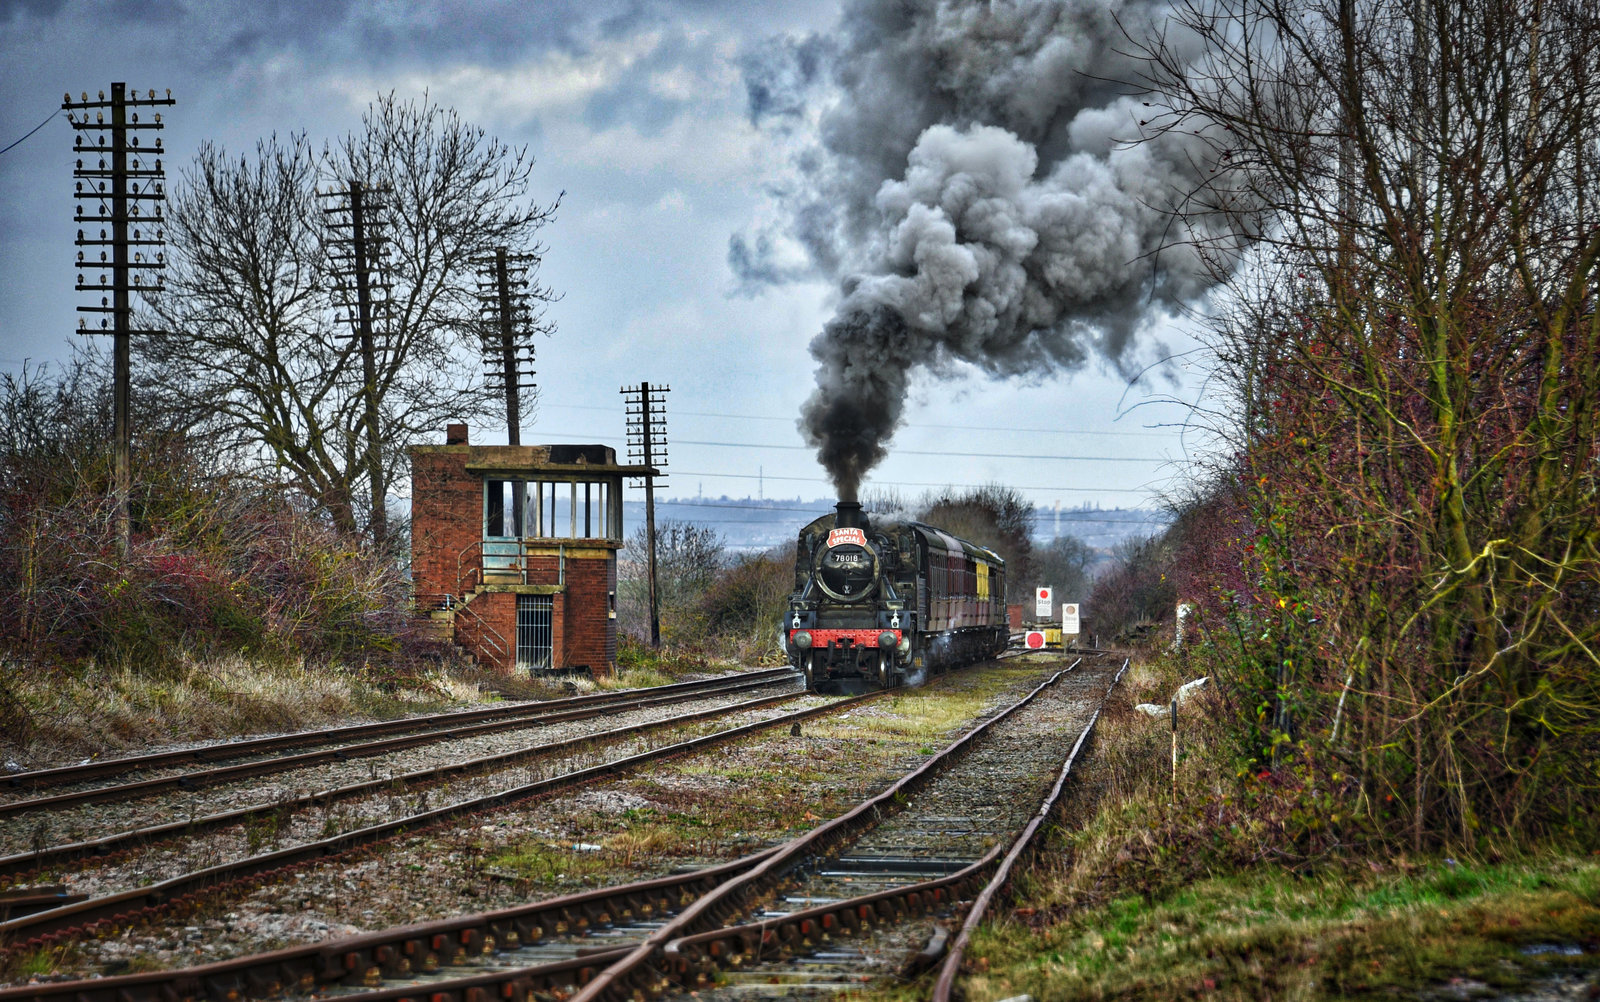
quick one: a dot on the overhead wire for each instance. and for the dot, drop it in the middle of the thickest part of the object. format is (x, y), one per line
(943, 427)
(821, 508)
(30, 132)
(902, 452)
(903, 483)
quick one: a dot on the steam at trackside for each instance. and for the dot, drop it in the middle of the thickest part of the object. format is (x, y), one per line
(977, 192)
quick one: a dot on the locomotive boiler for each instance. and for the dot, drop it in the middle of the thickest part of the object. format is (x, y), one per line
(878, 602)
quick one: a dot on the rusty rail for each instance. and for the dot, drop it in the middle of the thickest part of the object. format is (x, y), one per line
(634, 973)
(27, 861)
(945, 985)
(404, 950)
(263, 767)
(41, 778)
(122, 906)
(692, 961)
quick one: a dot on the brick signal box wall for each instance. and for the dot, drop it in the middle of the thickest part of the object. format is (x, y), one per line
(498, 528)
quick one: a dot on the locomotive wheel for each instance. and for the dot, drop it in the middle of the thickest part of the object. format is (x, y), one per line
(885, 669)
(808, 661)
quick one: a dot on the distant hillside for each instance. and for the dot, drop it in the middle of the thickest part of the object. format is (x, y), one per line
(751, 524)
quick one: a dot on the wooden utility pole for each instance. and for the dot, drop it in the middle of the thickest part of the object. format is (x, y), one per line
(369, 361)
(359, 236)
(117, 177)
(647, 442)
(508, 347)
(509, 323)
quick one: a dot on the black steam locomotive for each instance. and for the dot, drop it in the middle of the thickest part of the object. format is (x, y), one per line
(877, 604)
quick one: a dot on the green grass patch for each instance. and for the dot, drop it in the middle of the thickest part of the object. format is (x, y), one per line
(643, 677)
(550, 865)
(638, 664)
(1267, 933)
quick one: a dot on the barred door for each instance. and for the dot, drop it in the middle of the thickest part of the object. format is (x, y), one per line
(534, 632)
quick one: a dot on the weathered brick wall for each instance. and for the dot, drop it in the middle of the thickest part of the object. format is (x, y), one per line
(488, 628)
(589, 634)
(447, 522)
(544, 570)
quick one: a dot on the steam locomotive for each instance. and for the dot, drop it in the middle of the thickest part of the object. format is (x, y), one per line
(877, 604)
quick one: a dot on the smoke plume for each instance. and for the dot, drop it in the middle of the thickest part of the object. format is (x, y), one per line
(974, 189)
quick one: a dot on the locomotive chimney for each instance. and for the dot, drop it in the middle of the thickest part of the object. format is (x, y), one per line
(848, 515)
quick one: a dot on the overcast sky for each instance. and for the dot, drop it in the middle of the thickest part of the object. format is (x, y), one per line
(642, 114)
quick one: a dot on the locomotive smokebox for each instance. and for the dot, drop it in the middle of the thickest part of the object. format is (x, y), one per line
(848, 515)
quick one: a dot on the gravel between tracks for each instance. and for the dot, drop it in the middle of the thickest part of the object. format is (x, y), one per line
(992, 792)
(173, 857)
(586, 837)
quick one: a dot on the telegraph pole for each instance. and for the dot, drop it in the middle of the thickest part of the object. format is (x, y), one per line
(117, 177)
(508, 325)
(358, 250)
(646, 410)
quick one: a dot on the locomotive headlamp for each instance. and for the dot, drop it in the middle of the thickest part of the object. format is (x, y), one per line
(801, 639)
(887, 640)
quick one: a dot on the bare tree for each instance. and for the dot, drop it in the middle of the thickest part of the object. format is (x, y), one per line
(257, 351)
(995, 516)
(1064, 562)
(1418, 356)
(688, 558)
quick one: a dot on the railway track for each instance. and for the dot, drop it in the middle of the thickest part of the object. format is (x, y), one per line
(687, 928)
(59, 829)
(71, 918)
(355, 741)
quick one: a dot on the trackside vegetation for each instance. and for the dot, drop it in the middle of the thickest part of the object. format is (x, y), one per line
(1393, 571)
(1396, 572)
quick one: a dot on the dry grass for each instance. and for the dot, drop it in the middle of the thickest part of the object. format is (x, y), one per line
(68, 715)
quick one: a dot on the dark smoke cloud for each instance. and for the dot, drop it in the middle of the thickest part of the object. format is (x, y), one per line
(974, 191)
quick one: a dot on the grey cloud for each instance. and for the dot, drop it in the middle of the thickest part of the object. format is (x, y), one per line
(17, 10)
(780, 76)
(754, 262)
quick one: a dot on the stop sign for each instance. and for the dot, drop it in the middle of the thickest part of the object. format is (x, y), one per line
(1034, 640)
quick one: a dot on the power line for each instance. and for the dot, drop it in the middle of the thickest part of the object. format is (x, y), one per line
(912, 483)
(823, 508)
(939, 452)
(30, 132)
(910, 452)
(957, 427)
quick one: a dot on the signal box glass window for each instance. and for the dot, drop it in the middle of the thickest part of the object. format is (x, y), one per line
(551, 510)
